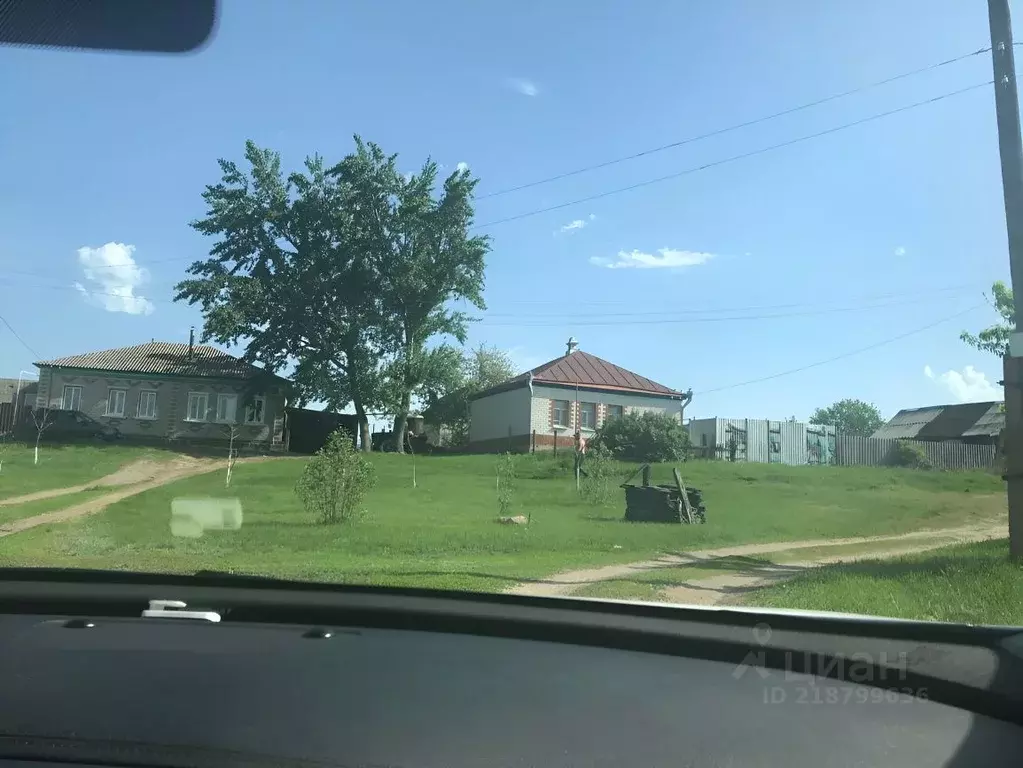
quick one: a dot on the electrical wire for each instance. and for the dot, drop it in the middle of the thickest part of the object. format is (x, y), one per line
(944, 292)
(18, 337)
(734, 158)
(689, 320)
(844, 355)
(736, 127)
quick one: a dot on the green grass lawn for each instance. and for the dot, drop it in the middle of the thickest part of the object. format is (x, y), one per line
(974, 583)
(33, 508)
(443, 534)
(61, 466)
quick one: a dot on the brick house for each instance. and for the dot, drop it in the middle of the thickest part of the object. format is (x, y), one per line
(542, 408)
(166, 391)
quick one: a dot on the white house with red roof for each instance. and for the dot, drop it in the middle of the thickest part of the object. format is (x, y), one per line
(543, 408)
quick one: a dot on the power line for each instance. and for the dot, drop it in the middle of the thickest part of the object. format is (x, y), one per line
(736, 127)
(23, 342)
(680, 321)
(843, 355)
(945, 292)
(734, 158)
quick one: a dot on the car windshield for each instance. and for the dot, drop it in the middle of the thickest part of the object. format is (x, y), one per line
(703, 304)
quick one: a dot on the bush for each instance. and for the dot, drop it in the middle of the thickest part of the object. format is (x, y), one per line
(544, 465)
(600, 477)
(335, 481)
(507, 472)
(647, 436)
(909, 455)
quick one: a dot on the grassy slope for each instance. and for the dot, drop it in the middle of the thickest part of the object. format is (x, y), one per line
(974, 583)
(443, 533)
(61, 466)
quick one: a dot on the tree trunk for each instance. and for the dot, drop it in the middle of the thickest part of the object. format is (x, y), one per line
(401, 422)
(364, 434)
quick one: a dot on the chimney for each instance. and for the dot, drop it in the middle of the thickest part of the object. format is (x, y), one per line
(572, 345)
(191, 342)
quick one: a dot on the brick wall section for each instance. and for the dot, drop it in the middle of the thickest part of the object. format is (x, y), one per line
(522, 443)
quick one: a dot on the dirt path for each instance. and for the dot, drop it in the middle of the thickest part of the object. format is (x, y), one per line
(133, 479)
(717, 589)
(134, 472)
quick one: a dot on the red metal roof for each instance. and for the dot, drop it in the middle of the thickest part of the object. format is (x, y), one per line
(586, 370)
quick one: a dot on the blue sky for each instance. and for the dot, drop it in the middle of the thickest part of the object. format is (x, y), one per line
(854, 238)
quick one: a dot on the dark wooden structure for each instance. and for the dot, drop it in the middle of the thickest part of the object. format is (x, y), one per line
(308, 430)
(648, 503)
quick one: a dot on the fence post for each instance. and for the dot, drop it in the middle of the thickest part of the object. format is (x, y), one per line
(532, 444)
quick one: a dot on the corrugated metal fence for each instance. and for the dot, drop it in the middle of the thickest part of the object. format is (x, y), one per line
(851, 450)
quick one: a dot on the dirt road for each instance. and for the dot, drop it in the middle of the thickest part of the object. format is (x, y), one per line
(133, 479)
(721, 588)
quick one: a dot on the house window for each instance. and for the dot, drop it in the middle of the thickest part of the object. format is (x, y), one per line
(588, 415)
(198, 404)
(613, 412)
(115, 402)
(562, 413)
(227, 407)
(255, 410)
(72, 400)
(147, 405)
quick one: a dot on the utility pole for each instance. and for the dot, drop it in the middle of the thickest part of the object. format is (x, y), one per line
(1010, 148)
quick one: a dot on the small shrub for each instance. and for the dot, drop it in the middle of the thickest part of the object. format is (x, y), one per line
(909, 455)
(647, 436)
(600, 477)
(507, 473)
(336, 480)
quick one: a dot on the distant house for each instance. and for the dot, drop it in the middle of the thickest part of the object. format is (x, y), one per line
(542, 408)
(14, 394)
(167, 391)
(967, 422)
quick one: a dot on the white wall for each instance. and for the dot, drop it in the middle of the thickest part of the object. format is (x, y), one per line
(500, 415)
(540, 410)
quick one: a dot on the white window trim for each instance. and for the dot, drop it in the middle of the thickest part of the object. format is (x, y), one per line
(64, 397)
(216, 413)
(206, 408)
(251, 405)
(554, 414)
(596, 412)
(138, 408)
(110, 414)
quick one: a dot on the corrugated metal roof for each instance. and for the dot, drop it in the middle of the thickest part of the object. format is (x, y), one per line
(942, 422)
(586, 370)
(990, 424)
(163, 358)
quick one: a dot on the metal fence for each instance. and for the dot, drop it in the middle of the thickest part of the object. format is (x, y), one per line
(851, 450)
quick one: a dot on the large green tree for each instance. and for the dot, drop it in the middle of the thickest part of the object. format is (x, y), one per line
(850, 417)
(345, 271)
(995, 339)
(479, 369)
(424, 259)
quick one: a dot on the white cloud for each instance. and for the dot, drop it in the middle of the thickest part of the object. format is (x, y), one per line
(967, 386)
(462, 166)
(900, 250)
(525, 87)
(665, 258)
(576, 224)
(112, 277)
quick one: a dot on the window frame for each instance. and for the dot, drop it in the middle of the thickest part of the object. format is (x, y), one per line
(109, 412)
(143, 394)
(64, 397)
(250, 407)
(584, 408)
(613, 414)
(233, 418)
(205, 410)
(567, 410)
